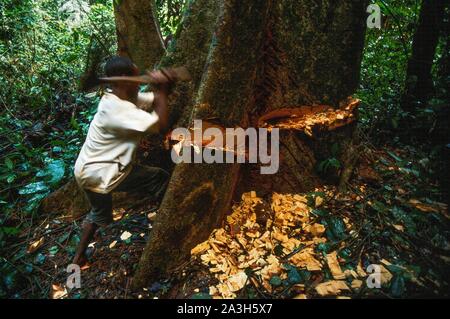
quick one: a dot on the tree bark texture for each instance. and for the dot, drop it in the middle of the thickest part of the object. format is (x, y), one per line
(138, 33)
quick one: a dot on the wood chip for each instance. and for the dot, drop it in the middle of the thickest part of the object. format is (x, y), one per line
(151, 216)
(331, 288)
(356, 284)
(113, 244)
(333, 264)
(317, 229)
(200, 248)
(125, 235)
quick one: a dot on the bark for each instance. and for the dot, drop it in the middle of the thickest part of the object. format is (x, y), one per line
(249, 59)
(419, 83)
(70, 201)
(138, 33)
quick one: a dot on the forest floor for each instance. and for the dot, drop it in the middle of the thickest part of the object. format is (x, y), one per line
(313, 245)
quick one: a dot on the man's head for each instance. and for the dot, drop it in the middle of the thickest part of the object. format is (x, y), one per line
(122, 66)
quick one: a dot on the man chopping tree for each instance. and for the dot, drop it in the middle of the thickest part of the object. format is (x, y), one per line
(105, 163)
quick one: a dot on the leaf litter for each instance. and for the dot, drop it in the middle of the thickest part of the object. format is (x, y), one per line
(304, 245)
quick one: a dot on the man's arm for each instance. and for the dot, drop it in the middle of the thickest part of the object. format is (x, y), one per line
(161, 92)
(160, 108)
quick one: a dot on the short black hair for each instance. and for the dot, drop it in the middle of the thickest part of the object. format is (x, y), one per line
(119, 66)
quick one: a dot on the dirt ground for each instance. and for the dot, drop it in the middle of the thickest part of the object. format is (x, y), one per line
(393, 215)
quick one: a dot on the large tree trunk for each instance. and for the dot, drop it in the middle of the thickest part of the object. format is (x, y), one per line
(419, 83)
(138, 33)
(249, 59)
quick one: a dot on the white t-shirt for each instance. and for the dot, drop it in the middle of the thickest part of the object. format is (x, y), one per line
(113, 137)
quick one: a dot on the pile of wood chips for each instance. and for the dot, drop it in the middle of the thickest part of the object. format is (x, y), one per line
(244, 244)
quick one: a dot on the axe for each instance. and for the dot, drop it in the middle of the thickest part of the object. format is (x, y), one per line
(179, 74)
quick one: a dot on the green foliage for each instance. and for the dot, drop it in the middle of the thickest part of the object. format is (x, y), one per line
(169, 14)
(383, 69)
(335, 228)
(43, 117)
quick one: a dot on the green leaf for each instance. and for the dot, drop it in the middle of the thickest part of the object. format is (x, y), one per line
(10, 280)
(57, 149)
(335, 228)
(33, 188)
(29, 268)
(53, 251)
(378, 206)
(10, 230)
(294, 276)
(74, 123)
(9, 163)
(398, 159)
(322, 248)
(39, 259)
(63, 237)
(397, 287)
(56, 169)
(11, 178)
(275, 281)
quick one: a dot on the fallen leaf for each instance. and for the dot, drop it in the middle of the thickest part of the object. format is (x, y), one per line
(85, 266)
(125, 235)
(151, 216)
(113, 244)
(58, 292)
(35, 245)
(426, 208)
(118, 214)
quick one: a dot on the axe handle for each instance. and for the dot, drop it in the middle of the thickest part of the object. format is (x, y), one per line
(181, 74)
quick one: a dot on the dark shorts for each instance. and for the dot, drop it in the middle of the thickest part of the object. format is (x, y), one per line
(149, 181)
